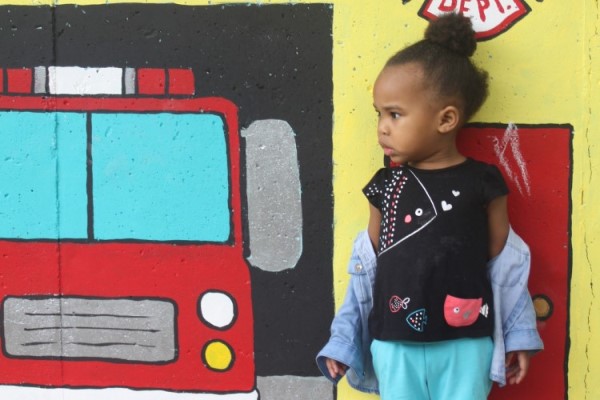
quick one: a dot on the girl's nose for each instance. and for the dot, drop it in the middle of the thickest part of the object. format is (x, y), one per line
(382, 128)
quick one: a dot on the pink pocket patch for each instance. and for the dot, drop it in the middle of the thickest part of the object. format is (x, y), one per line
(461, 312)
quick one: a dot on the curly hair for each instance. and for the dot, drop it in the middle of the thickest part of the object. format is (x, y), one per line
(444, 54)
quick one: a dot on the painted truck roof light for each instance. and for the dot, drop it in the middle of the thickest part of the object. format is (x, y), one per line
(90, 81)
(19, 80)
(217, 309)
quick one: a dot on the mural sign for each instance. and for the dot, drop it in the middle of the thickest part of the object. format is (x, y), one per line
(490, 17)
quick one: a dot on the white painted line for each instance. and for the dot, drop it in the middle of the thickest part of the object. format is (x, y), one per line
(38, 393)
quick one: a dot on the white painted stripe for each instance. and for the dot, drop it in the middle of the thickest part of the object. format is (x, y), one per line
(37, 393)
(85, 81)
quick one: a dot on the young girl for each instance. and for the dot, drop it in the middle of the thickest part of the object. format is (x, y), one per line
(436, 219)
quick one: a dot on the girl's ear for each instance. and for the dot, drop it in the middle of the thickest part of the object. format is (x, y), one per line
(449, 119)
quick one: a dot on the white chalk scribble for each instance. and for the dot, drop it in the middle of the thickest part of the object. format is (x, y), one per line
(510, 140)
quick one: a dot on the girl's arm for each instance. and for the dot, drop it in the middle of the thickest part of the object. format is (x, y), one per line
(374, 224)
(498, 225)
(516, 369)
(517, 362)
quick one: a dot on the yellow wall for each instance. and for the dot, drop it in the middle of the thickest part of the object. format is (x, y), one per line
(544, 69)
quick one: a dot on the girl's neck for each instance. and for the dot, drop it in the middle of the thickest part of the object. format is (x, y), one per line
(446, 157)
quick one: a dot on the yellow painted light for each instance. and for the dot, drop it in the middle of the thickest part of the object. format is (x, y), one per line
(218, 356)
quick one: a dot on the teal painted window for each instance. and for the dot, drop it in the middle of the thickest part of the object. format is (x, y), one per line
(160, 177)
(155, 177)
(43, 178)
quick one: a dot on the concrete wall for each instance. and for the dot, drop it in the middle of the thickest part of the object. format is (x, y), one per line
(544, 81)
(284, 88)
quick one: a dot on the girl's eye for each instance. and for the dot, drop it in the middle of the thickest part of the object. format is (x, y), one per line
(395, 115)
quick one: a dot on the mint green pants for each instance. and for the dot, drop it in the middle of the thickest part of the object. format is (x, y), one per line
(449, 370)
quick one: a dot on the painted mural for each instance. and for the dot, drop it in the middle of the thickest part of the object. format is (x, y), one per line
(539, 142)
(536, 163)
(121, 210)
(180, 187)
(154, 187)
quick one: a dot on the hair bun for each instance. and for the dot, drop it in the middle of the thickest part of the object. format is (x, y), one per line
(454, 32)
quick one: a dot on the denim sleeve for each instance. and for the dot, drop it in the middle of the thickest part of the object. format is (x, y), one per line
(510, 277)
(344, 344)
(515, 326)
(521, 332)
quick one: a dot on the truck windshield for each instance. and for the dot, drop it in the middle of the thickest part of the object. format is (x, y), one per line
(114, 176)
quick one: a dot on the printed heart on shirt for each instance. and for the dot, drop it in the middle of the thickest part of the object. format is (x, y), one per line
(455, 193)
(446, 206)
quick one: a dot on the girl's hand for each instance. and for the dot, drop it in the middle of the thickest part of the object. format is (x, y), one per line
(516, 368)
(335, 368)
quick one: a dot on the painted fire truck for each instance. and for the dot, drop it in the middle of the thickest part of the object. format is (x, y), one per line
(122, 272)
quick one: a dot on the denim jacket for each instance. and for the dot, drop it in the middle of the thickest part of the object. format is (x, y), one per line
(514, 315)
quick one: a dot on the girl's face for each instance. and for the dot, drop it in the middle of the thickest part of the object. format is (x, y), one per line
(409, 116)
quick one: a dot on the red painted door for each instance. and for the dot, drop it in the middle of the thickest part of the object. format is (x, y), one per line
(536, 163)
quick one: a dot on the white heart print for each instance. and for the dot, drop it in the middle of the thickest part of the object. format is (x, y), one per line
(446, 206)
(455, 193)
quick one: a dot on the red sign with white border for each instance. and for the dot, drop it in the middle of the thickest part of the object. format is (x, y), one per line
(489, 17)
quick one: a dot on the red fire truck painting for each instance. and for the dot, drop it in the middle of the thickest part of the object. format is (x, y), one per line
(122, 272)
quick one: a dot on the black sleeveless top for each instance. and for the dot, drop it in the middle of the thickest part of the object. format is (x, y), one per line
(431, 282)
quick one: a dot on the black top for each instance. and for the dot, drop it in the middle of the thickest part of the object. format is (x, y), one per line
(431, 282)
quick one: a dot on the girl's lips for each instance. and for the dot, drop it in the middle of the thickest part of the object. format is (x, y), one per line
(387, 151)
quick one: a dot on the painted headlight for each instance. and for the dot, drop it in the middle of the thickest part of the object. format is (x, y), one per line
(218, 356)
(217, 309)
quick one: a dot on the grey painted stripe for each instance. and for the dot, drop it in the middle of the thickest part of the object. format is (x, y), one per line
(40, 78)
(274, 195)
(294, 388)
(129, 81)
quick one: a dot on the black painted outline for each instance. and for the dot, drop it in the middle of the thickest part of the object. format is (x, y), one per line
(89, 166)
